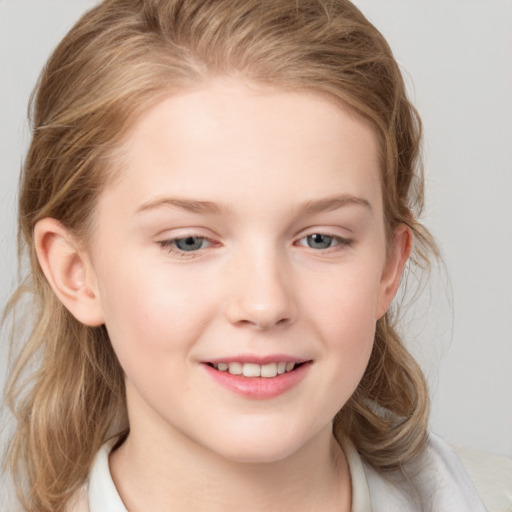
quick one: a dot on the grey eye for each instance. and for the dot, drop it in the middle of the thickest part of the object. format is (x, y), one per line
(190, 243)
(319, 241)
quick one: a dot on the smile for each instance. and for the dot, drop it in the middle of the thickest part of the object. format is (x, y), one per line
(267, 371)
(258, 380)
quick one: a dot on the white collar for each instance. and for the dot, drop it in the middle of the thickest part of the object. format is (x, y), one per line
(103, 495)
(436, 481)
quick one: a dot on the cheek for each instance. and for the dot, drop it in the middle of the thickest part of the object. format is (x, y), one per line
(347, 298)
(344, 318)
(150, 315)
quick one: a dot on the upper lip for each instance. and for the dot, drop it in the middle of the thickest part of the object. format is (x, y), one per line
(261, 360)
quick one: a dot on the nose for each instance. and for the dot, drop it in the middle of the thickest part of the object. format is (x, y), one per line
(261, 294)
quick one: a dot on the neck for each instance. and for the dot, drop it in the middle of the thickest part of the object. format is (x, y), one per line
(166, 472)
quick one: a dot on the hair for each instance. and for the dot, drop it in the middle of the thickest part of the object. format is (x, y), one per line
(66, 387)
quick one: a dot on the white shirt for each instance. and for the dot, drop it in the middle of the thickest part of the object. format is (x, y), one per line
(437, 482)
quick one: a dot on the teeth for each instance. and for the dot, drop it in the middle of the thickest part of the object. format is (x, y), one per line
(269, 370)
(290, 367)
(251, 370)
(255, 370)
(235, 368)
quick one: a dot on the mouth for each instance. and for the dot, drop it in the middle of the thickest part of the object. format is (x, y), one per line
(259, 378)
(254, 370)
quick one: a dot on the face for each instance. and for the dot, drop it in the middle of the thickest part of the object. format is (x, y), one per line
(240, 266)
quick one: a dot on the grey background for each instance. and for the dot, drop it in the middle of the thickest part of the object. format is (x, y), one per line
(457, 56)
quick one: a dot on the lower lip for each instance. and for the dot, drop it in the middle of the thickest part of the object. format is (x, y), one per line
(259, 388)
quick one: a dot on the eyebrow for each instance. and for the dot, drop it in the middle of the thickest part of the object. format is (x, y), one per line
(208, 207)
(190, 205)
(333, 203)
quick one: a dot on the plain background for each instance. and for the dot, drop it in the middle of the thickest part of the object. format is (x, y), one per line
(457, 58)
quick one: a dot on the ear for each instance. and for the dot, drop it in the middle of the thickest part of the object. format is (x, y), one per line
(393, 268)
(68, 270)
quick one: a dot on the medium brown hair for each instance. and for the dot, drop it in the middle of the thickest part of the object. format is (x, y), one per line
(66, 388)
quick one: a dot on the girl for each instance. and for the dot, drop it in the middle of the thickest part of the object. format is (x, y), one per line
(219, 202)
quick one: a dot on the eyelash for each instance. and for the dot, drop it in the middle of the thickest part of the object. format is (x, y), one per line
(340, 241)
(171, 246)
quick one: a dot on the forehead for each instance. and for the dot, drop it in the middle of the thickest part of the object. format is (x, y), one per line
(234, 139)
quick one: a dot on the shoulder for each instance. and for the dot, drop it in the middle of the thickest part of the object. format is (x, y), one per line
(492, 475)
(79, 502)
(436, 481)
(99, 494)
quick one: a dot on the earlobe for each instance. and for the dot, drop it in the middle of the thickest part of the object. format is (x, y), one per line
(393, 269)
(68, 271)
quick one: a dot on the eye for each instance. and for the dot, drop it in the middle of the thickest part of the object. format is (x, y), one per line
(322, 241)
(186, 244)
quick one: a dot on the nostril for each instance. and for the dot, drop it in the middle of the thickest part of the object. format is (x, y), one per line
(261, 308)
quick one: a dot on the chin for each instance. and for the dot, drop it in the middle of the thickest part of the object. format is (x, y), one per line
(259, 447)
(256, 454)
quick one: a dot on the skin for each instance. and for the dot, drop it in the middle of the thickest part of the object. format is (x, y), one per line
(274, 168)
